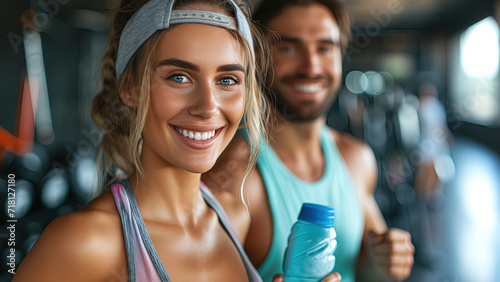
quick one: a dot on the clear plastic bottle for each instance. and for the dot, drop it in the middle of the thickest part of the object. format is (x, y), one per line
(311, 244)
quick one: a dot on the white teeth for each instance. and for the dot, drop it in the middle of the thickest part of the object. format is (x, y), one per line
(307, 87)
(196, 135)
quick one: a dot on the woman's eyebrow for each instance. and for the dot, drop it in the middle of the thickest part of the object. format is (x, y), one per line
(231, 67)
(178, 63)
(190, 66)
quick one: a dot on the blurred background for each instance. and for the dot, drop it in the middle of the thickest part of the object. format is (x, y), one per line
(421, 87)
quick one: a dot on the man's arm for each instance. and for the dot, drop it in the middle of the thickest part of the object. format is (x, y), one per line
(225, 180)
(254, 226)
(386, 254)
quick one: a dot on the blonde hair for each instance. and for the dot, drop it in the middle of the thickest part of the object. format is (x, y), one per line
(121, 146)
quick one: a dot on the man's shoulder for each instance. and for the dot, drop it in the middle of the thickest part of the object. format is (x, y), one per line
(230, 167)
(238, 150)
(349, 145)
(225, 180)
(359, 159)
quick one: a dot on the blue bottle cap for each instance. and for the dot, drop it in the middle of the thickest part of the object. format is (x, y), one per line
(317, 214)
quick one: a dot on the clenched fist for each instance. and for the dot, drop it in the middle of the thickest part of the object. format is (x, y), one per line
(391, 253)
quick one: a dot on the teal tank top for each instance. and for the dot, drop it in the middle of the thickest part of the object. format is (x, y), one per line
(286, 193)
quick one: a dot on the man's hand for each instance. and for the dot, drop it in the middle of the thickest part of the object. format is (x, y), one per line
(332, 277)
(391, 253)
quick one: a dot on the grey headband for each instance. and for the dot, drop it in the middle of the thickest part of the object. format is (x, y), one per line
(157, 15)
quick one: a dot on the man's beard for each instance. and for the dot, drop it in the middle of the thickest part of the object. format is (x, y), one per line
(304, 112)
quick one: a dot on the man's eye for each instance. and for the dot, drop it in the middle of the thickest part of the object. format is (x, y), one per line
(325, 49)
(286, 49)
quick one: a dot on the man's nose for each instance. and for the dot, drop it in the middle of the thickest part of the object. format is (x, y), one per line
(311, 62)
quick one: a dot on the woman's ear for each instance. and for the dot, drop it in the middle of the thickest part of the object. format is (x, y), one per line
(127, 98)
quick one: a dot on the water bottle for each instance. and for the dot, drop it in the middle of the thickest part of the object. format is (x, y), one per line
(311, 244)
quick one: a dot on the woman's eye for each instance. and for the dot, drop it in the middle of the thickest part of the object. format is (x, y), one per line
(227, 81)
(178, 78)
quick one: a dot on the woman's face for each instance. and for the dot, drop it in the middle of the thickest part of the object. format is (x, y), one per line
(197, 96)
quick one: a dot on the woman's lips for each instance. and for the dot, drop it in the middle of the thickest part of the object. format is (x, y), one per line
(202, 139)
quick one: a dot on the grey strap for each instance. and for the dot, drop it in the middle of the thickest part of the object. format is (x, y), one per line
(136, 213)
(210, 199)
(129, 244)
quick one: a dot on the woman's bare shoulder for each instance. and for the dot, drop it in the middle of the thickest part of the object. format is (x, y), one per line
(84, 245)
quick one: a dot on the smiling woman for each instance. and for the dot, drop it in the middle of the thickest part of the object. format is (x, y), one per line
(178, 77)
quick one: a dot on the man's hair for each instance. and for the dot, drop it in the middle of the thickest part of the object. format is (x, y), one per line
(269, 9)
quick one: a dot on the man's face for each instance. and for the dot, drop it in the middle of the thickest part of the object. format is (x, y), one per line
(307, 63)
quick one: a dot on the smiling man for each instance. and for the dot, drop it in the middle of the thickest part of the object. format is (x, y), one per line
(304, 160)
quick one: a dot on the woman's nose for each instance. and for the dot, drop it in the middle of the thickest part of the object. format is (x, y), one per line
(205, 104)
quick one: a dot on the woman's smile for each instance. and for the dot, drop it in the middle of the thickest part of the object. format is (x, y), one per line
(197, 138)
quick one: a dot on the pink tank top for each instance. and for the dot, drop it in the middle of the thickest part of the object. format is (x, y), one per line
(143, 261)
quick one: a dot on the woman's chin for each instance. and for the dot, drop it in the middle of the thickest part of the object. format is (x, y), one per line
(200, 167)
